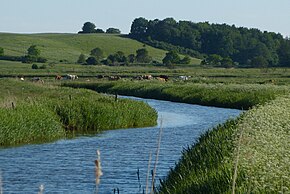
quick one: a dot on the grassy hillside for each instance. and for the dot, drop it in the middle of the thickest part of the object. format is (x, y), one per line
(68, 47)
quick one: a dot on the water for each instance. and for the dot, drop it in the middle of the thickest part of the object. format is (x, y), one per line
(67, 166)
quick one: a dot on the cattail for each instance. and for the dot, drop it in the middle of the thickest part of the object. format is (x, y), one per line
(41, 189)
(98, 170)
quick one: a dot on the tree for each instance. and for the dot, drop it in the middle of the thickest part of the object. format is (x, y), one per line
(99, 31)
(113, 31)
(284, 53)
(131, 58)
(33, 51)
(97, 53)
(1, 51)
(92, 61)
(139, 27)
(82, 59)
(171, 57)
(88, 28)
(227, 62)
(259, 62)
(185, 60)
(142, 56)
(117, 58)
(34, 66)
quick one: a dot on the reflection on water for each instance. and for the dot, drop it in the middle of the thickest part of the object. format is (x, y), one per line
(67, 166)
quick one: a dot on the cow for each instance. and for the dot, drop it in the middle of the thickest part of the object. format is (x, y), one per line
(37, 80)
(184, 77)
(148, 77)
(71, 77)
(164, 77)
(58, 77)
(161, 79)
(113, 78)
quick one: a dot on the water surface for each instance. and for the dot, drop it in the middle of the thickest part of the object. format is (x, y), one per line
(67, 166)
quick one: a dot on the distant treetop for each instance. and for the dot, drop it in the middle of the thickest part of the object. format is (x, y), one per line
(90, 27)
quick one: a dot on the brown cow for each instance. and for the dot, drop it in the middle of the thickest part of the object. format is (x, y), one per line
(58, 77)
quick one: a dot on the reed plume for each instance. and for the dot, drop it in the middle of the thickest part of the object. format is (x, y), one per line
(98, 170)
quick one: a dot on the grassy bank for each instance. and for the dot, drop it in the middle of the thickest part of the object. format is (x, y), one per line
(219, 95)
(258, 142)
(38, 113)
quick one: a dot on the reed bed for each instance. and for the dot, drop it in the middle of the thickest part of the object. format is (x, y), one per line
(219, 95)
(33, 113)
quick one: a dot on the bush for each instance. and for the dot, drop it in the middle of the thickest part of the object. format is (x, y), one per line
(34, 66)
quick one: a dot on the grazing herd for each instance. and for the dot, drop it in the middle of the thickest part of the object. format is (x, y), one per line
(161, 78)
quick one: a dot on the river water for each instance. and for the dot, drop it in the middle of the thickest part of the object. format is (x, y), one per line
(67, 166)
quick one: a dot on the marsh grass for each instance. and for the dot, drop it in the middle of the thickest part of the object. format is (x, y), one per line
(219, 95)
(246, 155)
(43, 114)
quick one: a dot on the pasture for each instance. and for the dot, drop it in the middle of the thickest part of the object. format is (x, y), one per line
(68, 47)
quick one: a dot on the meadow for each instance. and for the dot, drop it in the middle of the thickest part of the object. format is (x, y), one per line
(36, 113)
(68, 47)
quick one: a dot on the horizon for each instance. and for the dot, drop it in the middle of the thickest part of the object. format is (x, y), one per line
(68, 16)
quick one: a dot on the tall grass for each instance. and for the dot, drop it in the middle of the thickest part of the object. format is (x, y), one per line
(43, 113)
(263, 155)
(219, 95)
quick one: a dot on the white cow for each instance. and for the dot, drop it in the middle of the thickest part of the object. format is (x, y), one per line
(72, 77)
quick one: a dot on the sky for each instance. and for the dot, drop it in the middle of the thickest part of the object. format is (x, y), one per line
(68, 16)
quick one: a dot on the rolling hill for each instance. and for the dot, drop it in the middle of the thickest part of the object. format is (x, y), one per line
(68, 47)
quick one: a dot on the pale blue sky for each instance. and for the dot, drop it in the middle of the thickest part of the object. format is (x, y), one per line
(31, 16)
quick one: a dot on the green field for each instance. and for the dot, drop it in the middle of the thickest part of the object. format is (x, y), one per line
(68, 47)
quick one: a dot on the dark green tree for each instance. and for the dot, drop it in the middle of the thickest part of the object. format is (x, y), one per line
(81, 59)
(113, 31)
(171, 57)
(185, 60)
(131, 58)
(97, 53)
(34, 66)
(284, 53)
(88, 28)
(99, 31)
(142, 56)
(259, 62)
(139, 27)
(33, 51)
(227, 62)
(92, 61)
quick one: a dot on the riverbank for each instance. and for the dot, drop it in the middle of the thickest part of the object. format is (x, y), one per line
(37, 113)
(235, 96)
(247, 155)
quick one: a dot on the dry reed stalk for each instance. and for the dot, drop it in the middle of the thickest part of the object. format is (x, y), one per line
(156, 159)
(98, 170)
(236, 164)
(41, 189)
(148, 174)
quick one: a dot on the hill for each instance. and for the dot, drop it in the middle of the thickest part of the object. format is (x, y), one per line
(68, 47)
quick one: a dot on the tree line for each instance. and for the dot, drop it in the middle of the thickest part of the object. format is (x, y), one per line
(90, 27)
(218, 44)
